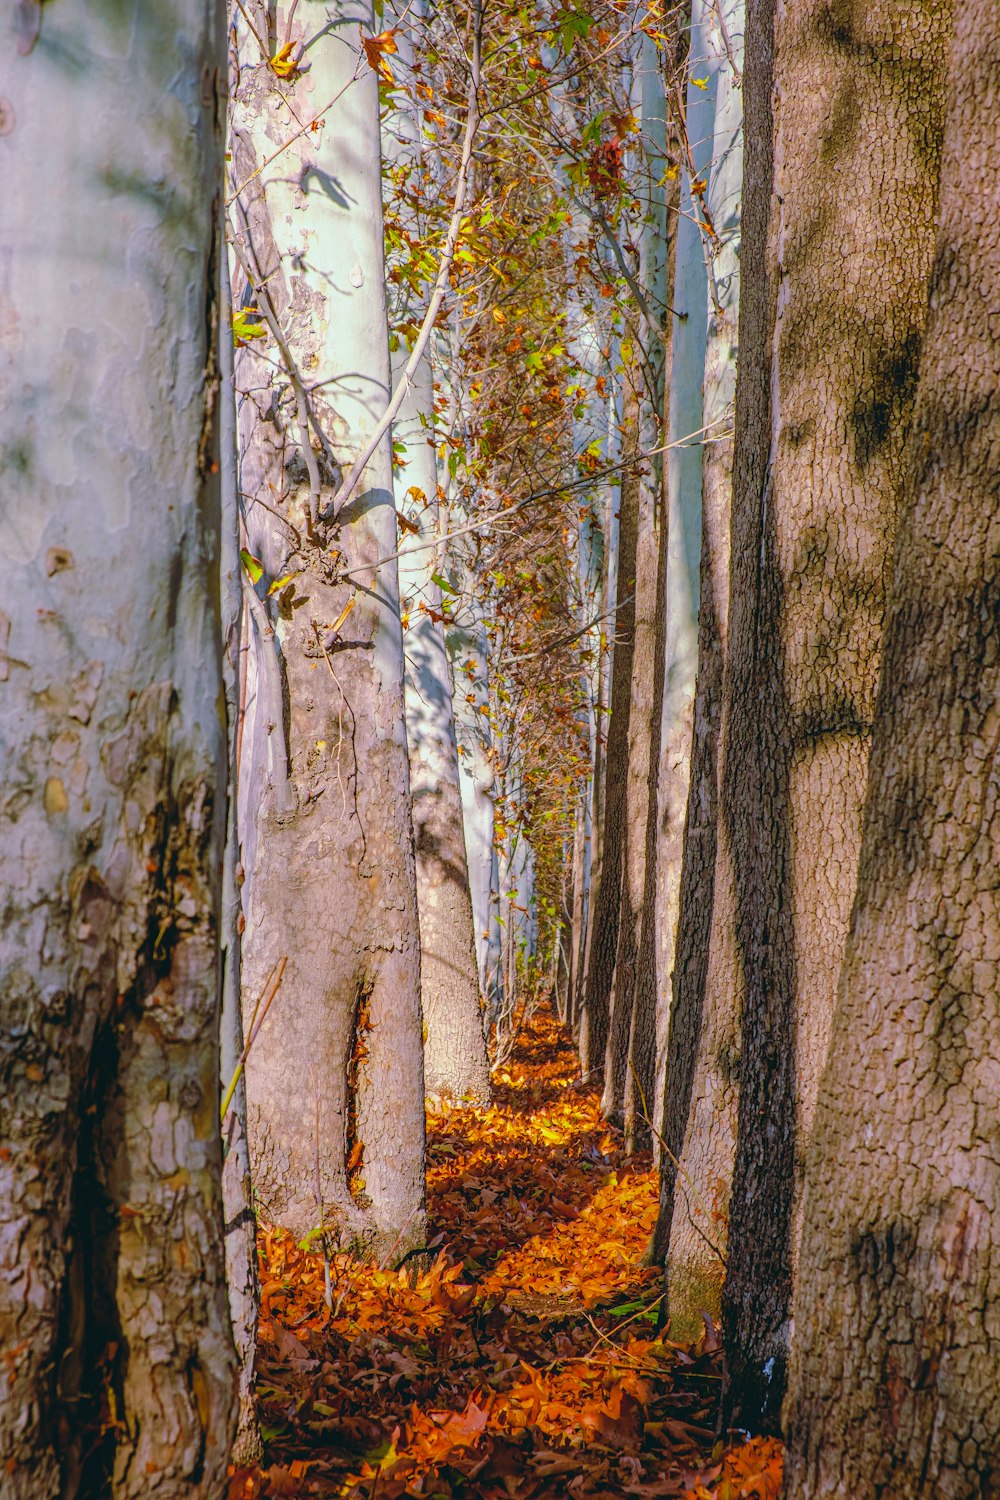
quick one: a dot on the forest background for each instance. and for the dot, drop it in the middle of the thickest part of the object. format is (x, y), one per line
(499, 502)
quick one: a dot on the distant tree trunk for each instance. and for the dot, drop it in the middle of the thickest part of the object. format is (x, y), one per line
(597, 788)
(631, 1053)
(895, 1367)
(335, 1081)
(455, 1062)
(857, 121)
(237, 1192)
(467, 648)
(699, 1124)
(602, 930)
(118, 1376)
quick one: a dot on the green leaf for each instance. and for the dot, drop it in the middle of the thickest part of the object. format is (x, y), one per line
(248, 324)
(443, 584)
(252, 564)
(279, 584)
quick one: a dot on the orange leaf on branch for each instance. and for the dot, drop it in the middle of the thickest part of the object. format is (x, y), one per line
(376, 48)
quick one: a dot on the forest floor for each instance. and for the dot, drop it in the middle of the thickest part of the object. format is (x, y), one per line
(524, 1363)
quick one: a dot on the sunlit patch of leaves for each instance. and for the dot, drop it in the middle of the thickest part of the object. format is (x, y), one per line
(523, 1361)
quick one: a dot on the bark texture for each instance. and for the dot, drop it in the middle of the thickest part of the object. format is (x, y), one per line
(858, 104)
(118, 1375)
(335, 1082)
(896, 1368)
(455, 1061)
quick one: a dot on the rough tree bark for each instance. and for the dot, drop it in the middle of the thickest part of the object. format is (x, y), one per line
(455, 1061)
(118, 1374)
(697, 901)
(335, 1082)
(605, 907)
(895, 1367)
(858, 102)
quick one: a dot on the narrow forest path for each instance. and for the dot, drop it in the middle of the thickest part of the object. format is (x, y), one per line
(524, 1363)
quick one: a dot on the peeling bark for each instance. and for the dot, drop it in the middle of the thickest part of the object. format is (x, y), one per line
(118, 1374)
(330, 878)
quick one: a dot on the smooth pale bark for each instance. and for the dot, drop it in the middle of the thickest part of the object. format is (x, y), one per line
(237, 1193)
(698, 953)
(335, 1082)
(588, 430)
(630, 1068)
(517, 906)
(112, 1274)
(455, 1061)
(895, 1369)
(858, 107)
(597, 788)
(467, 649)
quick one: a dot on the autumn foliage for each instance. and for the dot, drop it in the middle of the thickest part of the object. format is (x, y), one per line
(522, 1357)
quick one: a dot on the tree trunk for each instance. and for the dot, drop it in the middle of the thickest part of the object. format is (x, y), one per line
(119, 1372)
(455, 1062)
(602, 931)
(237, 1191)
(699, 1126)
(858, 101)
(631, 1051)
(467, 646)
(895, 1367)
(335, 1082)
(597, 788)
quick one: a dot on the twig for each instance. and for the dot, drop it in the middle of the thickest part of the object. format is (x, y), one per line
(284, 798)
(315, 121)
(555, 489)
(681, 1173)
(251, 270)
(253, 30)
(267, 994)
(567, 640)
(353, 479)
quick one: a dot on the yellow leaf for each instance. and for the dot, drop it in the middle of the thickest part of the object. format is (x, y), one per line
(282, 62)
(352, 601)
